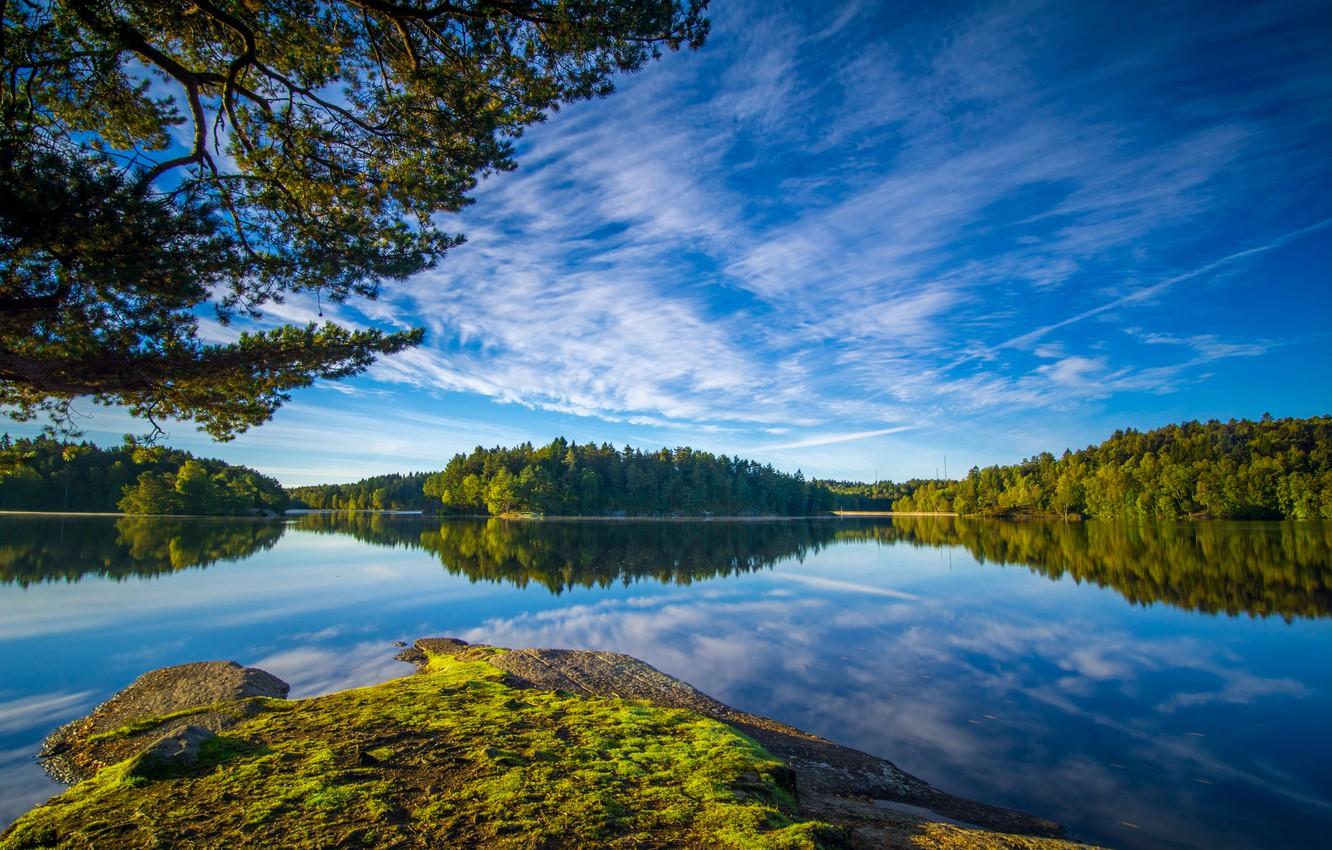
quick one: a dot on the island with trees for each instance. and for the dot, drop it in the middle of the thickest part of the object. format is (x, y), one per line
(565, 478)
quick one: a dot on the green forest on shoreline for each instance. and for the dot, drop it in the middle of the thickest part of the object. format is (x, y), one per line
(1240, 469)
(42, 474)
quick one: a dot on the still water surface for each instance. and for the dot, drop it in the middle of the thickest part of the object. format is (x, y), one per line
(1149, 686)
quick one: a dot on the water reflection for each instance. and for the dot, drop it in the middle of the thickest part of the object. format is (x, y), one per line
(1000, 684)
(1259, 569)
(1255, 568)
(46, 549)
(1044, 702)
(561, 555)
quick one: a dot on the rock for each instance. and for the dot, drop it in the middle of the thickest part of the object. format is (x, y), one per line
(442, 645)
(204, 694)
(478, 740)
(178, 748)
(424, 647)
(825, 773)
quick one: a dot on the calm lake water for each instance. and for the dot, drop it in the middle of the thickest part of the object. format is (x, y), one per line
(1149, 686)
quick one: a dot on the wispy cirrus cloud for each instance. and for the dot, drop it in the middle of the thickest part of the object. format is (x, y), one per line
(741, 238)
(829, 439)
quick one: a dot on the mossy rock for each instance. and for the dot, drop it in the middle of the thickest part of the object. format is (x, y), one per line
(212, 695)
(468, 754)
(456, 758)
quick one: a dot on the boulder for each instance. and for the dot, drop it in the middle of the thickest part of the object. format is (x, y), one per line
(210, 695)
(178, 748)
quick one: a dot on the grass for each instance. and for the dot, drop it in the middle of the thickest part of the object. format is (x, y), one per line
(454, 757)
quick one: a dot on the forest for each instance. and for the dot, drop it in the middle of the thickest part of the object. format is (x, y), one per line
(42, 474)
(564, 478)
(1240, 469)
(567, 479)
(392, 492)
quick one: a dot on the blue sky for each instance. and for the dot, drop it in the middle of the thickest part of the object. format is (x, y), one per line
(857, 238)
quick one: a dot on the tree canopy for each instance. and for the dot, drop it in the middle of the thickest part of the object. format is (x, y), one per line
(159, 158)
(566, 478)
(391, 492)
(1241, 469)
(42, 474)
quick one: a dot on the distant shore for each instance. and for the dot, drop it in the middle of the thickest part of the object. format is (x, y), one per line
(61, 513)
(163, 516)
(299, 512)
(893, 513)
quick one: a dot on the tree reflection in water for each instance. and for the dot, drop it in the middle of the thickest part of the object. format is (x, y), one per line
(46, 549)
(1257, 568)
(560, 554)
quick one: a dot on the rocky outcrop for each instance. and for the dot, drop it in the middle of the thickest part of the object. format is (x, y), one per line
(210, 695)
(835, 782)
(490, 747)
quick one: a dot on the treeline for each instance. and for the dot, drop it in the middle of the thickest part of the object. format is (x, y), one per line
(878, 496)
(1241, 469)
(563, 489)
(393, 492)
(41, 474)
(564, 478)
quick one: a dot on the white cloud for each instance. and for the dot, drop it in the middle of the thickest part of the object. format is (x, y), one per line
(828, 439)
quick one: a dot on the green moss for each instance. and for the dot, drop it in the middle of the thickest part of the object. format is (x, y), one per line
(452, 758)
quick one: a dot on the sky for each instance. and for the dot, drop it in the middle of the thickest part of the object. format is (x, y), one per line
(867, 240)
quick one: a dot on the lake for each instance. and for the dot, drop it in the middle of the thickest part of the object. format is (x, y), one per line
(1148, 686)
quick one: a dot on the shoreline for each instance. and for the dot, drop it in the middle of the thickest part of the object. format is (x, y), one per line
(155, 516)
(894, 513)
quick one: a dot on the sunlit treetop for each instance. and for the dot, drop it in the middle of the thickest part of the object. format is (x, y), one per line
(160, 156)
